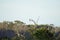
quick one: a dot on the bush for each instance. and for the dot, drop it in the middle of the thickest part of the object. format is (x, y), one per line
(42, 34)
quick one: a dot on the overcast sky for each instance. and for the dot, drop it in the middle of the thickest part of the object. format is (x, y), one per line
(48, 11)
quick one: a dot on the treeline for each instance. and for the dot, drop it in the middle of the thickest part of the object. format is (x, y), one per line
(18, 30)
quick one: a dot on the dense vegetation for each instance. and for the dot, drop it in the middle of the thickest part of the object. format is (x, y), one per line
(18, 30)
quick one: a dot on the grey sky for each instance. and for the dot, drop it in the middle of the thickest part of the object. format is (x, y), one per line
(48, 10)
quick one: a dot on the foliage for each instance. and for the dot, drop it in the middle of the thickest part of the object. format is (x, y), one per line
(36, 32)
(42, 34)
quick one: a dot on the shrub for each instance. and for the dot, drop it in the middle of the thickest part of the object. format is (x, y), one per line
(42, 34)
